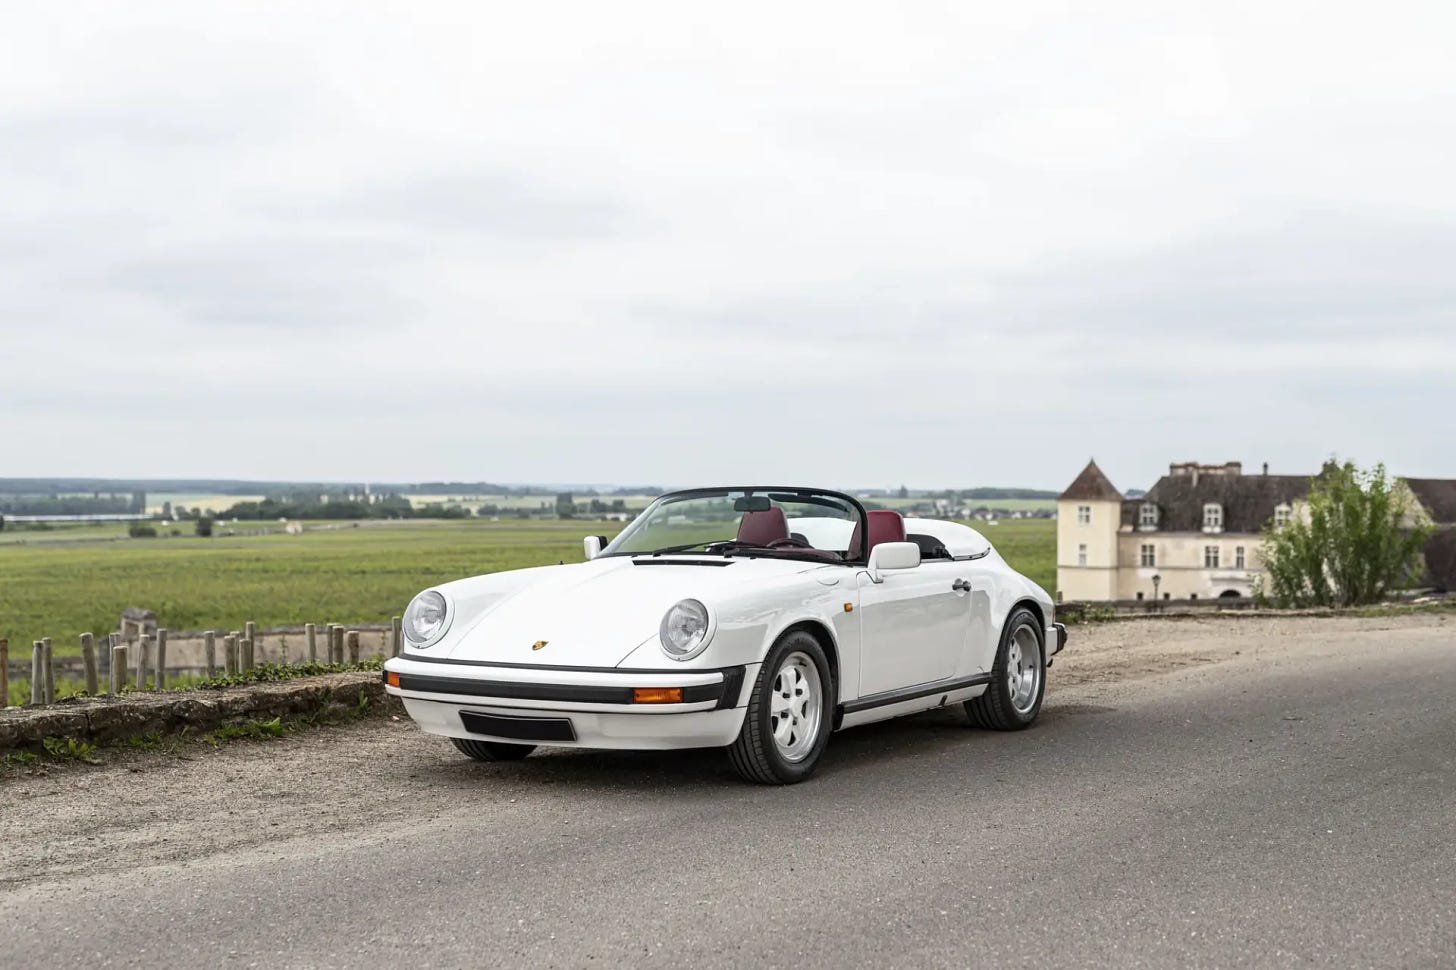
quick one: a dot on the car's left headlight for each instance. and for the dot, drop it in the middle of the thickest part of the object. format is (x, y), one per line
(684, 631)
(427, 619)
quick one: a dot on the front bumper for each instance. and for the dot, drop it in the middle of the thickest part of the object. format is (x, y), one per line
(597, 703)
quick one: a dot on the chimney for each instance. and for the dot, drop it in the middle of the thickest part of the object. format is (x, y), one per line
(1266, 468)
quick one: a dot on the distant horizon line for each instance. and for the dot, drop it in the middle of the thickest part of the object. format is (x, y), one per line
(195, 484)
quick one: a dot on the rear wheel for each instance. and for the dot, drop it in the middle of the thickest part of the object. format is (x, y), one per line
(492, 750)
(789, 716)
(1018, 678)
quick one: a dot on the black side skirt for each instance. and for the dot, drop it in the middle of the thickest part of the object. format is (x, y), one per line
(886, 698)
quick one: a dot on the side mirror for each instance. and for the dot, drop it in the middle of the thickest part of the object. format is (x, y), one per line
(893, 555)
(593, 546)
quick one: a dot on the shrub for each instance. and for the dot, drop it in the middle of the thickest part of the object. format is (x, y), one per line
(1355, 544)
(137, 530)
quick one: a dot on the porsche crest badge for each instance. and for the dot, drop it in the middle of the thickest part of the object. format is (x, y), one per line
(538, 644)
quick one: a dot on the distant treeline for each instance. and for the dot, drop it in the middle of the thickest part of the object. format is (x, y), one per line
(94, 504)
(392, 506)
(229, 486)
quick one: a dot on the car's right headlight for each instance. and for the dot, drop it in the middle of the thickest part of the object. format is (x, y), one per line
(427, 619)
(684, 631)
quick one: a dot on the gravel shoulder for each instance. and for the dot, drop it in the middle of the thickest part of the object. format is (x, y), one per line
(196, 804)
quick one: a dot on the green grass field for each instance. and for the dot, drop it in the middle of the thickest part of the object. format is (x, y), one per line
(344, 575)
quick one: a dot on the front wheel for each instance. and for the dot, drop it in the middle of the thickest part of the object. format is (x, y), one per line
(492, 750)
(1018, 678)
(790, 714)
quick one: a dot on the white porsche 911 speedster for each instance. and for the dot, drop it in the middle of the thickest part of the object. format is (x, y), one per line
(756, 619)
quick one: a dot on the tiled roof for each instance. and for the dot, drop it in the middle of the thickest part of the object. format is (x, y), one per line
(1438, 495)
(1092, 485)
(1248, 500)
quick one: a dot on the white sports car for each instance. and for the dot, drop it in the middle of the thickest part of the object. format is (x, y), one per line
(757, 619)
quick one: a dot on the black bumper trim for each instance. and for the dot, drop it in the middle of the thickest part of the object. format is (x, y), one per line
(1061, 636)
(570, 693)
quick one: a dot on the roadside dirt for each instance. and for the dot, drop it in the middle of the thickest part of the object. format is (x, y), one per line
(194, 802)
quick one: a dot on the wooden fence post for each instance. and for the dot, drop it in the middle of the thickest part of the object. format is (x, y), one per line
(396, 635)
(245, 654)
(336, 643)
(209, 652)
(250, 631)
(37, 673)
(88, 660)
(4, 673)
(230, 655)
(144, 653)
(50, 670)
(311, 634)
(161, 658)
(118, 668)
(353, 636)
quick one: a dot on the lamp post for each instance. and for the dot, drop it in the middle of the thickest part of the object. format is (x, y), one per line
(1156, 580)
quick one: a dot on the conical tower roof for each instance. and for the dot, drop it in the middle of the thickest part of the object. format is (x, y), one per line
(1092, 485)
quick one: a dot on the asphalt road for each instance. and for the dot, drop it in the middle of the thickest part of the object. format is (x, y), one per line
(1291, 806)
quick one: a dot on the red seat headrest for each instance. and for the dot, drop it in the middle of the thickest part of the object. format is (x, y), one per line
(760, 528)
(885, 525)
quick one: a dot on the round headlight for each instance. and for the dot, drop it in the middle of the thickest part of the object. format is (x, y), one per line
(684, 630)
(427, 618)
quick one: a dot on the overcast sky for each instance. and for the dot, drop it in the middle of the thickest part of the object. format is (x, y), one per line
(841, 244)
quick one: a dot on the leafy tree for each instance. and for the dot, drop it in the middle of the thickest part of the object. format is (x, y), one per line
(1356, 541)
(204, 527)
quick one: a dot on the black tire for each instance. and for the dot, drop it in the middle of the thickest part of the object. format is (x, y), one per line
(755, 755)
(994, 709)
(492, 750)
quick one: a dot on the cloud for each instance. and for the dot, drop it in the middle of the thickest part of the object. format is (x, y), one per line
(938, 244)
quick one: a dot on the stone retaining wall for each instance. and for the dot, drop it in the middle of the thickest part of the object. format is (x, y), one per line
(101, 719)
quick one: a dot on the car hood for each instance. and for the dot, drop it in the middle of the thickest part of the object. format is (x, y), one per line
(591, 614)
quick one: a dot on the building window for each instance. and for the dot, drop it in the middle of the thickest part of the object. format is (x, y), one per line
(1084, 515)
(1212, 517)
(1148, 516)
(1140, 594)
(1150, 556)
(1238, 557)
(1210, 557)
(1082, 554)
(1281, 516)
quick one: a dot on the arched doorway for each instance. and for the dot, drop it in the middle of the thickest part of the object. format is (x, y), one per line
(1230, 594)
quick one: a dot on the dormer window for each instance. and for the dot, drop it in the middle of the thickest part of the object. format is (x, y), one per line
(1148, 516)
(1282, 514)
(1212, 517)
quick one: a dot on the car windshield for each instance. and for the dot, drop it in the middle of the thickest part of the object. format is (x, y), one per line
(754, 521)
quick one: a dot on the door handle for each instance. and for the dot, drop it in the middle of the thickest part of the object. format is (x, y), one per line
(961, 586)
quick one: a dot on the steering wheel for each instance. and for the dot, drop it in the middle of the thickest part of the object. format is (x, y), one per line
(790, 543)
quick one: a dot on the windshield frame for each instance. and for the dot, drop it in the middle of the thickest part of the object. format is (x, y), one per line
(852, 556)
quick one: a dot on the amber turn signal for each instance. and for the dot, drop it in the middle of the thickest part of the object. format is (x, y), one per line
(657, 695)
(392, 679)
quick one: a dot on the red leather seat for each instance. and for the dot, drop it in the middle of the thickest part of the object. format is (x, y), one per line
(759, 528)
(885, 525)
